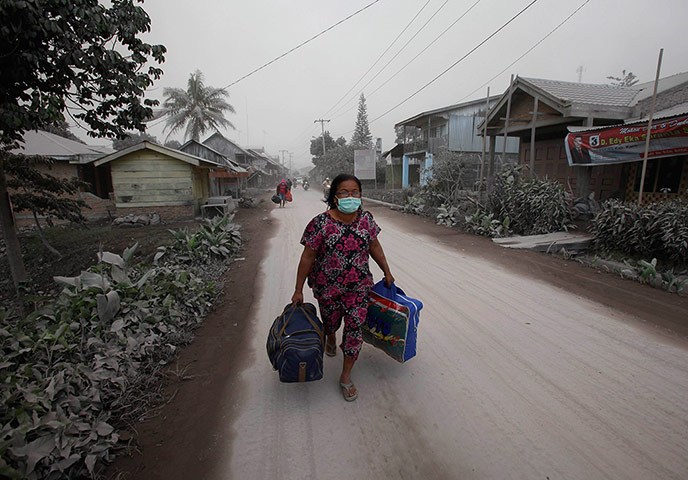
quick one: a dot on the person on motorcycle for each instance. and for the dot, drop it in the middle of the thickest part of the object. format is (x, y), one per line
(326, 186)
(305, 184)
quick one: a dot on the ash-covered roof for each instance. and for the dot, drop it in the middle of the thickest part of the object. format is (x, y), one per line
(587, 93)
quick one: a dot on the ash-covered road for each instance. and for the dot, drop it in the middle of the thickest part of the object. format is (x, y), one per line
(514, 379)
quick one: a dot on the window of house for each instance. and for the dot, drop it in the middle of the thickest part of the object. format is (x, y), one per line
(661, 174)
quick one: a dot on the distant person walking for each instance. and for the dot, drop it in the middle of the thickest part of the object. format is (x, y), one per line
(281, 191)
(335, 260)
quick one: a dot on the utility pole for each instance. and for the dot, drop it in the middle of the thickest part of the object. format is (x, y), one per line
(283, 152)
(291, 155)
(322, 124)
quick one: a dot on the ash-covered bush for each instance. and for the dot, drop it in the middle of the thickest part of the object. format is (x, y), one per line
(84, 366)
(657, 230)
(532, 206)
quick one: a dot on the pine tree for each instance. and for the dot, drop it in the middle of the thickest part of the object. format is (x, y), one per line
(362, 138)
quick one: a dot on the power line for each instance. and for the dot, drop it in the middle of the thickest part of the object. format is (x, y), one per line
(413, 59)
(378, 59)
(455, 63)
(399, 52)
(428, 46)
(527, 51)
(302, 44)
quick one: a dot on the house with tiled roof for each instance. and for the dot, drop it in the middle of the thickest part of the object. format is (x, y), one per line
(541, 113)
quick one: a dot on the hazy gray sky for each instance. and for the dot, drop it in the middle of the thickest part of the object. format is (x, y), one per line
(276, 107)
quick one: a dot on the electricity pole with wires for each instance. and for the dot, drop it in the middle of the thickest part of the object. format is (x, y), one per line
(282, 152)
(322, 123)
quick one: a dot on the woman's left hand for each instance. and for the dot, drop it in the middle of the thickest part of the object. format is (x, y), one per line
(389, 279)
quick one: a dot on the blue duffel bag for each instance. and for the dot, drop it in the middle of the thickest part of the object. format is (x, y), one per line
(296, 344)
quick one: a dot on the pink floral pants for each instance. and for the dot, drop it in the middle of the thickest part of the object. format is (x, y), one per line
(351, 307)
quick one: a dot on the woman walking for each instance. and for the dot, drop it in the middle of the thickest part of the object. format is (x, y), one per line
(337, 244)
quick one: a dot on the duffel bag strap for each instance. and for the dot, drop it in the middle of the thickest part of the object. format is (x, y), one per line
(317, 327)
(286, 322)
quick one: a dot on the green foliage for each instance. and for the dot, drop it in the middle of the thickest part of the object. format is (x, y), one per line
(84, 364)
(533, 206)
(415, 204)
(218, 238)
(199, 108)
(330, 144)
(42, 193)
(625, 80)
(61, 128)
(362, 138)
(132, 139)
(58, 51)
(338, 160)
(486, 224)
(447, 177)
(456, 215)
(658, 230)
(71, 54)
(646, 272)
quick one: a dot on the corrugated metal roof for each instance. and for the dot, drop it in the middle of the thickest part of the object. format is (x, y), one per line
(493, 98)
(174, 153)
(664, 84)
(587, 93)
(38, 142)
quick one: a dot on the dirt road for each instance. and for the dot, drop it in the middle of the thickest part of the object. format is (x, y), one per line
(528, 367)
(514, 378)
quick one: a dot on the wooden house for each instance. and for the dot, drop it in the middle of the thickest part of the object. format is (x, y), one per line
(230, 180)
(70, 160)
(542, 112)
(453, 128)
(263, 170)
(147, 177)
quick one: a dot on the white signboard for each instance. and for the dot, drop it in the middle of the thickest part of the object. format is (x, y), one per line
(364, 164)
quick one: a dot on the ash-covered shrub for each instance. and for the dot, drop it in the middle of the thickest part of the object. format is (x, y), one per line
(86, 365)
(657, 230)
(532, 206)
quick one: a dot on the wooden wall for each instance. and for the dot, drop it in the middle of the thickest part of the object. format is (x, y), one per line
(146, 178)
(550, 162)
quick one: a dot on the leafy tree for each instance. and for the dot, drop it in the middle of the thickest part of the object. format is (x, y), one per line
(362, 138)
(338, 160)
(173, 144)
(70, 54)
(625, 80)
(61, 128)
(132, 139)
(42, 193)
(330, 143)
(199, 108)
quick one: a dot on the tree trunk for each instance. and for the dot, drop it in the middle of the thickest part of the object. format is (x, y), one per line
(9, 232)
(50, 248)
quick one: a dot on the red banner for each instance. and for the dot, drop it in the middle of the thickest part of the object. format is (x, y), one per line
(668, 138)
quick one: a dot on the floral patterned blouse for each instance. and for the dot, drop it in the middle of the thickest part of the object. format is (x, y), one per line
(341, 263)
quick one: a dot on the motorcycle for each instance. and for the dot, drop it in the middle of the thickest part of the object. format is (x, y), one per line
(305, 185)
(326, 190)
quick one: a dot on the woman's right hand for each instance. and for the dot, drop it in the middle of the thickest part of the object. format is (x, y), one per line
(297, 298)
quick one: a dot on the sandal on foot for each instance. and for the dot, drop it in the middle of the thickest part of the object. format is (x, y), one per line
(346, 391)
(330, 349)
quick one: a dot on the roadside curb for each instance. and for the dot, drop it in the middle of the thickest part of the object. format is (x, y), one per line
(393, 206)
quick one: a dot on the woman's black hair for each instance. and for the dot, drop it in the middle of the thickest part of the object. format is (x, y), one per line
(334, 186)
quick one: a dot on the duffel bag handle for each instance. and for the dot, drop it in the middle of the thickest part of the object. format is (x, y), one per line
(388, 292)
(317, 327)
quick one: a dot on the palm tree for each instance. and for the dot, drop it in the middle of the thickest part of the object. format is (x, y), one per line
(200, 108)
